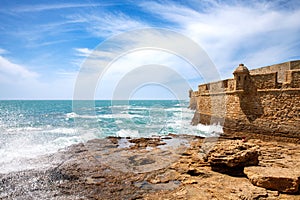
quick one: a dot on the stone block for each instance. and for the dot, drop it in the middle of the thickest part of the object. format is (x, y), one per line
(274, 178)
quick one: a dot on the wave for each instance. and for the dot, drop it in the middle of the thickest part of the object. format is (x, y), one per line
(118, 121)
(105, 116)
(23, 129)
(63, 130)
(17, 153)
(127, 133)
(215, 128)
(75, 115)
(67, 141)
(138, 108)
(35, 130)
(121, 115)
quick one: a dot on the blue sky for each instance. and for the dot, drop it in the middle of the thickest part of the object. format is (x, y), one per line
(43, 44)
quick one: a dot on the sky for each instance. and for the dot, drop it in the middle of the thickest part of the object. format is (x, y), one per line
(46, 45)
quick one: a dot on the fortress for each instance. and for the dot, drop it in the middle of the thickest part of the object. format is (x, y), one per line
(264, 100)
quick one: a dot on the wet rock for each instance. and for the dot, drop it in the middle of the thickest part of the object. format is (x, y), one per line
(164, 177)
(275, 178)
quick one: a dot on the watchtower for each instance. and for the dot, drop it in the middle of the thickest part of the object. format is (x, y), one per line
(241, 77)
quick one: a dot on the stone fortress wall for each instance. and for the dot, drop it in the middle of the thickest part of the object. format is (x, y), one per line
(264, 100)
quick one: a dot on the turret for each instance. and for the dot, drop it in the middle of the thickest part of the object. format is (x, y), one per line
(242, 77)
(190, 93)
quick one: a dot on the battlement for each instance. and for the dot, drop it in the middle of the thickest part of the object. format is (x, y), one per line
(280, 69)
(264, 100)
(285, 75)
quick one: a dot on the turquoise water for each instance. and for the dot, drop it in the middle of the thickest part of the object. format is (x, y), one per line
(32, 128)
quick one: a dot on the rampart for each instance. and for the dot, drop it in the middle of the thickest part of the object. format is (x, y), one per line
(264, 100)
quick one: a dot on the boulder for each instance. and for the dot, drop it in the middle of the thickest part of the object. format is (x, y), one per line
(233, 154)
(275, 178)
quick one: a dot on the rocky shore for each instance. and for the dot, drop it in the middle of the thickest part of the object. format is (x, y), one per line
(168, 167)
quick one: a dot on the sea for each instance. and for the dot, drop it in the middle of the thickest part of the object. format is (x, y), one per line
(31, 128)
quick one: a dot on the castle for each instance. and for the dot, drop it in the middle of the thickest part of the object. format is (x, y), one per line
(264, 100)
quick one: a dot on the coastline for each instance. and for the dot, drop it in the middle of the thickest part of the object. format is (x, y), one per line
(166, 167)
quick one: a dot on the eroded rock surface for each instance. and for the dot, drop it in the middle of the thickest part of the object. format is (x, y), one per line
(275, 178)
(234, 153)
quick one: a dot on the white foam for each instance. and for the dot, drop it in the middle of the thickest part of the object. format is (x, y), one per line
(138, 108)
(173, 109)
(18, 153)
(181, 123)
(118, 121)
(74, 115)
(104, 116)
(128, 133)
(23, 129)
(126, 116)
(124, 143)
(67, 141)
(71, 115)
(215, 128)
(119, 106)
(15, 155)
(63, 130)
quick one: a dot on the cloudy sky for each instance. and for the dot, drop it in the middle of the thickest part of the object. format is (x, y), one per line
(44, 44)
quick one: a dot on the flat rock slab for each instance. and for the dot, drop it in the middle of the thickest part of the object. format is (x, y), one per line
(233, 154)
(275, 178)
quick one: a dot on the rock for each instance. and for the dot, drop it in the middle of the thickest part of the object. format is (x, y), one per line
(189, 181)
(233, 154)
(146, 142)
(275, 178)
(252, 193)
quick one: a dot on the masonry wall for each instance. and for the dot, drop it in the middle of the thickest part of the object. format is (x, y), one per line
(295, 64)
(265, 81)
(272, 112)
(275, 112)
(193, 102)
(279, 68)
(295, 75)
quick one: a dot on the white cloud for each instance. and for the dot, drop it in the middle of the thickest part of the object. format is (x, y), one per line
(3, 51)
(127, 71)
(236, 33)
(108, 24)
(45, 7)
(230, 34)
(17, 82)
(13, 71)
(119, 56)
(83, 51)
(86, 52)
